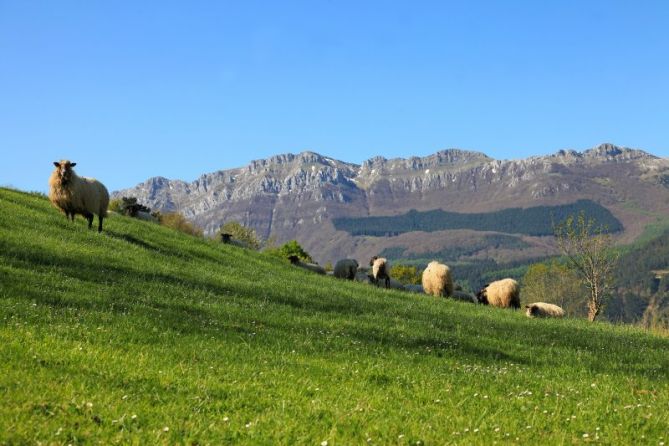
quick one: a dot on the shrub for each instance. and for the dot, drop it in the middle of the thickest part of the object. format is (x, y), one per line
(241, 233)
(116, 205)
(405, 274)
(177, 221)
(291, 248)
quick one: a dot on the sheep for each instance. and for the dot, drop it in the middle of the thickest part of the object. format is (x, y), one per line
(226, 239)
(73, 194)
(314, 268)
(380, 269)
(437, 279)
(346, 269)
(542, 309)
(503, 293)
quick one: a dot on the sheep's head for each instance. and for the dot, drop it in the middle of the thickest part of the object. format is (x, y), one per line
(531, 310)
(64, 170)
(482, 295)
(371, 262)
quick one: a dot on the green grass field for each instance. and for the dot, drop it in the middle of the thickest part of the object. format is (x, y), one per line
(142, 335)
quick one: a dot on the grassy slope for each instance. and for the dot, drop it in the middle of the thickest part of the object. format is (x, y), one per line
(144, 335)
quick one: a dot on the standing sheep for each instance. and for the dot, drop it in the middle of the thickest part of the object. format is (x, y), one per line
(73, 194)
(503, 293)
(346, 269)
(437, 279)
(380, 268)
(542, 309)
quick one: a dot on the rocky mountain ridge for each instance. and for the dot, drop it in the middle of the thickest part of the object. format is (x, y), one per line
(297, 195)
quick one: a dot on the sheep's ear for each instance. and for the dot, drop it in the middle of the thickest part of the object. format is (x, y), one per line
(56, 163)
(73, 164)
(527, 306)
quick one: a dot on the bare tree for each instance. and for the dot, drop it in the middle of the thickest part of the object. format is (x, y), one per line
(588, 250)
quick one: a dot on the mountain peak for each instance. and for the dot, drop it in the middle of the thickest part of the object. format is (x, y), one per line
(611, 152)
(442, 158)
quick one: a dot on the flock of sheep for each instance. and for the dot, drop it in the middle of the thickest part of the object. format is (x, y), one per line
(75, 195)
(436, 281)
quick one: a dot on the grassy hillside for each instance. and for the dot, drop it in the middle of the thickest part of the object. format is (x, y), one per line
(143, 335)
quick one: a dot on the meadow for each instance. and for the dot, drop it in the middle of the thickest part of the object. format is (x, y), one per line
(144, 335)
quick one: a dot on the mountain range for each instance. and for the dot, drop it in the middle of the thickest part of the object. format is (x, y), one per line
(301, 196)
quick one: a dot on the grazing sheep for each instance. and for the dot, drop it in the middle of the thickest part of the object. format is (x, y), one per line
(226, 239)
(542, 309)
(503, 293)
(346, 269)
(73, 194)
(314, 268)
(437, 279)
(380, 269)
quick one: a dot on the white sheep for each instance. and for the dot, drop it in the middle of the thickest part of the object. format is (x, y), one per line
(74, 195)
(543, 309)
(437, 279)
(380, 271)
(503, 293)
(346, 269)
(314, 268)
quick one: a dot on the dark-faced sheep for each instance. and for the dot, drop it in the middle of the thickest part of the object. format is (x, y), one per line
(543, 309)
(74, 195)
(346, 269)
(503, 293)
(437, 279)
(314, 268)
(380, 271)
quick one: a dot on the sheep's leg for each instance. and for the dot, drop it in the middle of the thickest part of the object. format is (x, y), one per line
(387, 282)
(100, 223)
(89, 217)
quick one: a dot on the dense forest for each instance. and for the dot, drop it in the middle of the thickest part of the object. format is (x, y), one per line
(535, 221)
(642, 284)
(453, 253)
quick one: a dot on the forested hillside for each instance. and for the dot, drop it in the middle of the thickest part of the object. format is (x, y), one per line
(536, 221)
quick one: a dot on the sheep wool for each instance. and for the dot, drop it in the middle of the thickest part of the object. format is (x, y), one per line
(380, 268)
(437, 279)
(346, 269)
(74, 195)
(503, 293)
(543, 309)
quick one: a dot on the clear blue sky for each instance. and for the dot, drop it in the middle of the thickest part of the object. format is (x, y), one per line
(136, 89)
